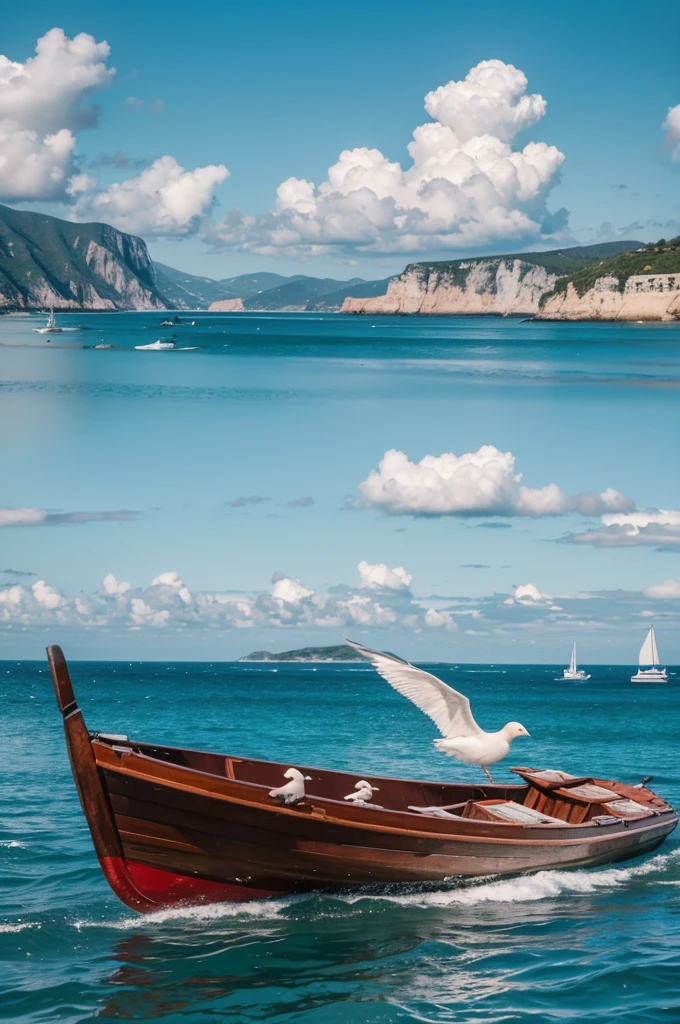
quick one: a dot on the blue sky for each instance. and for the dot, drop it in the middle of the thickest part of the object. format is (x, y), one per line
(273, 91)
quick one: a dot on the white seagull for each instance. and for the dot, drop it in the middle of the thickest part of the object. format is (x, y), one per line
(294, 791)
(448, 709)
(363, 792)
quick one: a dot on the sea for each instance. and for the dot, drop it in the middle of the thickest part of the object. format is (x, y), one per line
(595, 946)
(589, 946)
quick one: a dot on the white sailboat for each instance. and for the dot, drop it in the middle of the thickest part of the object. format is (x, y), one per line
(573, 673)
(50, 327)
(650, 669)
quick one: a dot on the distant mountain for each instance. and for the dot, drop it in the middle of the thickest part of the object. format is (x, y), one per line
(339, 653)
(299, 293)
(247, 286)
(364, 290)
(45, 261)
(261, 291)
(186, 291)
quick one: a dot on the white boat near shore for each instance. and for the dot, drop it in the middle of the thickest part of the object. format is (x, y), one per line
(650, 669)
(156, 346)
(50, 327)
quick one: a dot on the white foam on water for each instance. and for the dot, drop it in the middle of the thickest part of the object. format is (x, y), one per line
(529, 888)
(523, 889)
(12, 844)
(5, 928)
(261, 909)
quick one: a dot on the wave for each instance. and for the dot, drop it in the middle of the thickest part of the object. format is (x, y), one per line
(529, 888)
(523, 889)
(262, 909)
(20, 927)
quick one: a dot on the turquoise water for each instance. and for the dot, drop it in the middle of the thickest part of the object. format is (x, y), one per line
(587, 946)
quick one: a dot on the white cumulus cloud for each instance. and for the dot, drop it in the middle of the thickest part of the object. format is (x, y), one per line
(528, 593)
(163, 200)
(380, 576)
(42, 102)
(435, 619)
(672, 126)
(670, 588)
(466, 185)
(658, 528)
(481, 483)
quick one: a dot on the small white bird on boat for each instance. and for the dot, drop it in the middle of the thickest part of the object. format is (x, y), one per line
(363, 792)
(294, 791)
(448, 709)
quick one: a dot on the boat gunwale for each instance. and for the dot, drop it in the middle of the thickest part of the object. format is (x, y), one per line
(600, 832)
(105, 738)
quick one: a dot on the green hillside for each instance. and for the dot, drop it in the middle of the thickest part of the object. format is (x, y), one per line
(662, 257)
(48, 261)
(555, 261)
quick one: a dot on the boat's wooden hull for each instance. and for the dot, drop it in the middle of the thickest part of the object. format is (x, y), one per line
(174, 826)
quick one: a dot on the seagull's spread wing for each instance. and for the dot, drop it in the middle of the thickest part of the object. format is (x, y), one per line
(448, 709)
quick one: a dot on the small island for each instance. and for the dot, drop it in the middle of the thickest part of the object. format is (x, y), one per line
(341, 652)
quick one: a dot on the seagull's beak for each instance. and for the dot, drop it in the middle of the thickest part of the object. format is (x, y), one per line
(528, 734)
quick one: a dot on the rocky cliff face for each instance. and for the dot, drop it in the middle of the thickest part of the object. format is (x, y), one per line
(643, 297)
(226, 306)
(474, 287)
(45, 261)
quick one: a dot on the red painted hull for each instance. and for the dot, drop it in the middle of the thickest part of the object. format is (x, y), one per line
(146, 888)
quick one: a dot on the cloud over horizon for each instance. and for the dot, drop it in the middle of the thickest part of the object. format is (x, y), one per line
(44, 102)
(481, 483)
(382, 602)
(466, 186)
(42, 517)
(658, 528)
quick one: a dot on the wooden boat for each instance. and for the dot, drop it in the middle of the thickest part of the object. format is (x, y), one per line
(173, 826)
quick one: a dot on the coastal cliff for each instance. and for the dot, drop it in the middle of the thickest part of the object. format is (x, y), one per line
(643, 284)
(474, 287)
(644, 297)
(506, 284)
(45, 261)
(226, 306)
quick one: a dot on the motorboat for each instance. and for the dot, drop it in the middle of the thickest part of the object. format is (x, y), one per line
(174, 826)
(157, 346)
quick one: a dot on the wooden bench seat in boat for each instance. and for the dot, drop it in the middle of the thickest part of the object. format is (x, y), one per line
(577, 799)
(508, 811)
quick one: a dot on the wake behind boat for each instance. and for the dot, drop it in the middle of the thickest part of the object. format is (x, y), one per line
(176, 826)
(650, 669)
(574, 674)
